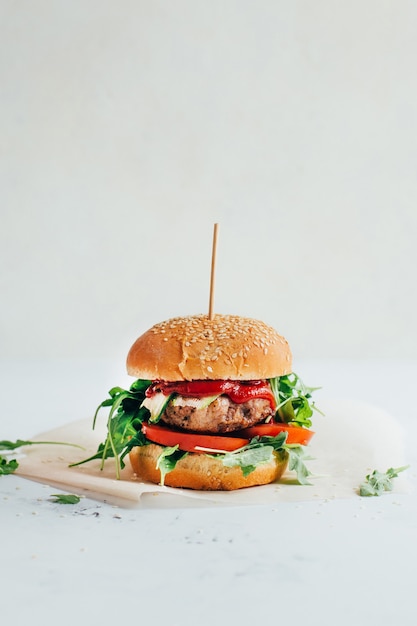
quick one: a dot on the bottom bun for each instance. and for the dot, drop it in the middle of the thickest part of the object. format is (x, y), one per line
(200, 471)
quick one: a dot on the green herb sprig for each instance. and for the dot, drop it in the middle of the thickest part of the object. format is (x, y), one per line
(8, 466)
(377, 483)
(20, 443)
(64, 498)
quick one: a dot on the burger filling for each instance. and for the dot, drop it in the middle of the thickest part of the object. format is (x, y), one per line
(210, 406)
(244, 423)
(222, 415)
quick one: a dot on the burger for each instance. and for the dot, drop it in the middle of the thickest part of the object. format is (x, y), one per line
(214, 406)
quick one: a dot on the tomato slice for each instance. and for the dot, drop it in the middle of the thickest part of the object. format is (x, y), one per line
(296, 434)
(192, 442)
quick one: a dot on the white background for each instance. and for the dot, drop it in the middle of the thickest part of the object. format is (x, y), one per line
(128, 128)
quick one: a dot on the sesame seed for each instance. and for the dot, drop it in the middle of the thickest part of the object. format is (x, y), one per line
(211, 336)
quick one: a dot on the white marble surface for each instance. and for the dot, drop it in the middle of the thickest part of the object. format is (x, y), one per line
(342, 561)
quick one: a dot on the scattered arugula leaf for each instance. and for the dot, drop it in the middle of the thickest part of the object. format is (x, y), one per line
(13, 445)
(20, 443)
(7, 467)
(64, 498)
(293, 400)
(377, 483)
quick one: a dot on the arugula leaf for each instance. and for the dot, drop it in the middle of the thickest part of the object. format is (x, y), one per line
(277, 442)
(248, 459)
(64, 498)
(123, 423)
(138, 439)
(7, 467)
(12, 445)
(293, 400)
(261, 449)
(10, 466)
(120, 430)
(19, 443)
(377, 483)
(258, 451)
(296, 463)
(168, 459)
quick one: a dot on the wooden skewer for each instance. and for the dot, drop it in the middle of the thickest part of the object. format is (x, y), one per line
(213, 271)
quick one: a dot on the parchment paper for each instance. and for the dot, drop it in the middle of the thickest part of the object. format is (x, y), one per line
(351, 440)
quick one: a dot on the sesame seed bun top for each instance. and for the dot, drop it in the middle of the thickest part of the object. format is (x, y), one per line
(227, 347)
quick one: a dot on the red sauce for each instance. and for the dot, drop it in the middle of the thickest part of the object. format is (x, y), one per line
(239, 391)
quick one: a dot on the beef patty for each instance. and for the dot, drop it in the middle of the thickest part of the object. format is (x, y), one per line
(221, 416)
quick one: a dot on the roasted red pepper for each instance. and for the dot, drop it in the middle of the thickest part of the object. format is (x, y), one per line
(239, 391)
